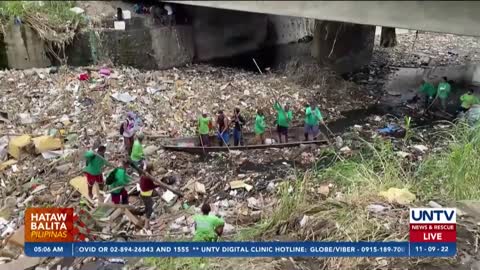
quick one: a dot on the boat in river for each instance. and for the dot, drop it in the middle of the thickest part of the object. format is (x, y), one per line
(192, 144)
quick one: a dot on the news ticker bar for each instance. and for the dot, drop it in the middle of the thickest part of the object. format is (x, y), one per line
(240, 249)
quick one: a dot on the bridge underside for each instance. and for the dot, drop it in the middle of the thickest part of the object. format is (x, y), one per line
(455, 17)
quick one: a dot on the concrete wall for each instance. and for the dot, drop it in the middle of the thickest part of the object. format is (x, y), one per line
(213, 34)
(82, 51)
(172, 46)
(142, 45)
(456, 17)
(124, 47)
(146, 45)
(344, 46)
(24, 49)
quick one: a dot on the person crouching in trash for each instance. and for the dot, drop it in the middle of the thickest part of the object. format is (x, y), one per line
(116, 181)
(207, 227)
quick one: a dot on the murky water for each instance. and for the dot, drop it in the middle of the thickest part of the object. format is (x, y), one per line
(353, 117)
(401, 86)
(403, 83)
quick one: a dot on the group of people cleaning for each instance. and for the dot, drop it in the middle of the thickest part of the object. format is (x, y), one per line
(207, 227)
(210, 227)
(442, 92)
(223, 125)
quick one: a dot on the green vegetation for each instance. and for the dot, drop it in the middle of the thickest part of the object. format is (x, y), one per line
(53, 21)
(408, 129)
(449, 174)
(445, 176)
(453, 173)
(291, 198)
(359, 179)
(372, 170)
(56, 12)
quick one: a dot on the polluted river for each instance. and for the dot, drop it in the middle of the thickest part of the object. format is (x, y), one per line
(334, 192)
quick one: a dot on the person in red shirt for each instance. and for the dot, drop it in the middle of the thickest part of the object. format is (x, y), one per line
(147, 185)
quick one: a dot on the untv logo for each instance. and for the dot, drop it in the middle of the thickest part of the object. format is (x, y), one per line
(433, 215)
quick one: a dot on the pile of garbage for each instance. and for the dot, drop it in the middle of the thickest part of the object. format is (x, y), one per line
(169, 102)
(50, 117)
(429, 49)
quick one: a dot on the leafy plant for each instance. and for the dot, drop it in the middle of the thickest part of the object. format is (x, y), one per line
(408, 130)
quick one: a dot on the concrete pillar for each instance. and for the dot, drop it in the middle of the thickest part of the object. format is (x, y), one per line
(286, 30)
(345, 47)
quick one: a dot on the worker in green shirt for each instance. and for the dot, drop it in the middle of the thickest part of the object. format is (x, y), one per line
(467, 100)
(429, 91)
(93, 169)
(284, 117)
(204, 126)
(313, 117)
(116, 181)
(137, 155)
(260, 127)
(443, 91)
(207, 227)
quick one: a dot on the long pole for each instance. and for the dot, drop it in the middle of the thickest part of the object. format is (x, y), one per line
(271, 92)
(433, 101)
(106, 161)
(255, 62)
(259, 70)
(228, 148)
(331, 133)
(328, 130)
(140, 171)
(201, 142)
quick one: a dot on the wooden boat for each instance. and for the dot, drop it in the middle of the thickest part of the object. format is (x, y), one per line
(192, 144)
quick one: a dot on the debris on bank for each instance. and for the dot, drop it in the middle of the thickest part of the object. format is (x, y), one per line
(50, 117)
(424, 49)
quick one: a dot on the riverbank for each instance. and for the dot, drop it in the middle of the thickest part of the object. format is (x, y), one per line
(304, 193)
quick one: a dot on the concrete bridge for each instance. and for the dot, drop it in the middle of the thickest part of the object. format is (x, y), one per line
(455, 17)
(340, 34)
